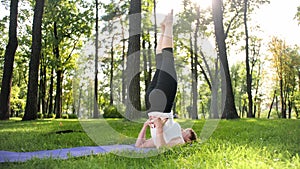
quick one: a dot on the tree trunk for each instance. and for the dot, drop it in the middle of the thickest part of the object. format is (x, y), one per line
(58, 94)
(155, 27)
(9, 62)
(195, 73)
(32, 93)
(50, 100)
(214, 95)
(57, 105)
(111, 96)
(149, 59)
(248, 75)
(282, 99)
(274, 96)
(133, 102)
(96, 111)
(43, 83)
(123, 63)
(229, 111)
(145, 68)
(194, 108)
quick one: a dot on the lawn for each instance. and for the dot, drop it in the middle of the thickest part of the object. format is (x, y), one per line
(244, 143)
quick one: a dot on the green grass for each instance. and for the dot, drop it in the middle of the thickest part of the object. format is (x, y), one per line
(245, 143)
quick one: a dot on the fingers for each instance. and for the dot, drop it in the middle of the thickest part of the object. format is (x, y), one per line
(158, 122)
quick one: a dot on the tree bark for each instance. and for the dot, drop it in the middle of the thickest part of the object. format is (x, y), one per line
(248, 75)
(96, 111)
(50, 100)
(9, 58)
(57, 105)
(229, 111)
(43, 83)
(111, 96)
(32, 93)
(133, 101)
(195, 73)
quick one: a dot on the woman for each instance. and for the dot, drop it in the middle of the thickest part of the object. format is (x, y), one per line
(160, 97)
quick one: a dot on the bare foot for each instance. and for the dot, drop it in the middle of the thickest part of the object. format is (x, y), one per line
(168, 20)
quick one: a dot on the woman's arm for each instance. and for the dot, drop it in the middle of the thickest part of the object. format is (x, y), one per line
(160, 140)
(141, 140)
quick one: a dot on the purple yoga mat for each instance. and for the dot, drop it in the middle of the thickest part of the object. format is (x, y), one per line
(8, 156)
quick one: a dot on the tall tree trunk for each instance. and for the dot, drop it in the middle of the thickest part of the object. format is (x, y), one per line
(111, 96)
(57, 105)
(229, 111)
(123, 63)
(9, 58)
(43, 83)
(144, 53)
(31, 103)
(214, 90)
(194, 108)
(256, 91)
(149, 59)
(274, 96)
(195, 73)
(58, 94)
(96, 111)
(248, 75)
(282, 99)
(133, 102)
(155, 27)
(50, 100)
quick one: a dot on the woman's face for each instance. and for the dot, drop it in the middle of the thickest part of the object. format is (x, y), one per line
(186, 134)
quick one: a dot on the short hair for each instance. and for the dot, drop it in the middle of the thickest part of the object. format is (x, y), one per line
(193, 136)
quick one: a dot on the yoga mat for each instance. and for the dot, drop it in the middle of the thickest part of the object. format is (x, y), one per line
(65, 153)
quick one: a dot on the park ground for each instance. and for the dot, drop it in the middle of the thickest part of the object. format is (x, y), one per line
(243, 143)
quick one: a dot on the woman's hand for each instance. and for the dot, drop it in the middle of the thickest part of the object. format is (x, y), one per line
(148, 123)
(159, 123)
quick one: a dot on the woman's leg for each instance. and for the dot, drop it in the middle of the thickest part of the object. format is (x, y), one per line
(161, 93)
(158, 61)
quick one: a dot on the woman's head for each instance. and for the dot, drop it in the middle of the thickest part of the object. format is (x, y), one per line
(189, 135)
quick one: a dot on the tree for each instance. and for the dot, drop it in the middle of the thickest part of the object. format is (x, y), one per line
(229, 111)
(133, 102)
(248, 75)
(32, 94)
(96, 110)
(298, 14)
(286, 61)
(65, 24)
(9, 62)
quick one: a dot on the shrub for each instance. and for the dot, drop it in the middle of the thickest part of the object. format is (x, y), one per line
(65, 116)
(21, 115)
(73, 116)
(111, 112)
(40, 115)
(51, 115)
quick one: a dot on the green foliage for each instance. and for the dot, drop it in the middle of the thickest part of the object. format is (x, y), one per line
(298, 14)
(40, 115)
(111, 112)
(21, 115)
(17, 103)
(50, 115)
(65, 116)
(73, 116)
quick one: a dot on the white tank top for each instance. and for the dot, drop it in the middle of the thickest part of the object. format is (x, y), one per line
(171, 130)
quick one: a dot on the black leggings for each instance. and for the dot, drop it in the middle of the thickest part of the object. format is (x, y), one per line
(162, 91)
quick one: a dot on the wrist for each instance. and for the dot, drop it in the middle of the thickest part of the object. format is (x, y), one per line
(159, 130)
